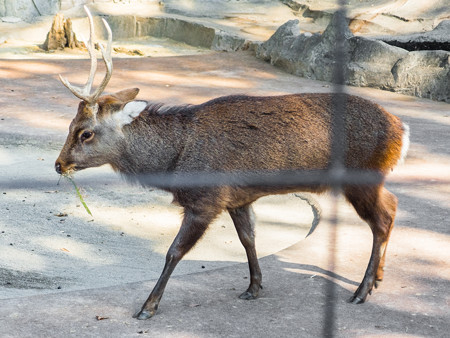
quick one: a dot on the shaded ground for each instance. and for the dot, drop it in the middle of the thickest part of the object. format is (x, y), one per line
(35, 112)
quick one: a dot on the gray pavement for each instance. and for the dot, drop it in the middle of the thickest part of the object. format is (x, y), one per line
(103, 284)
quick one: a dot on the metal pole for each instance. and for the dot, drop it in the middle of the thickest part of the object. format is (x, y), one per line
(337, 165)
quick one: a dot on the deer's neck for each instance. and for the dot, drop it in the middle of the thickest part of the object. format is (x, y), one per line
(152, 144)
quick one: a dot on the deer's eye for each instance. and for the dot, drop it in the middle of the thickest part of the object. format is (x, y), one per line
(86, 135)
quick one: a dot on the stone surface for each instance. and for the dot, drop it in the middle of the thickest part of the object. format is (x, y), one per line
(217, 8)
(10, 19)
(27, 10)
(180, 30)
(370, 62)
(232, 25)
(186, 31)
(226, 42)
(123, 26)
(438, 38)
(142, 220)
(413, 300)
(375, 17)
(424, 74)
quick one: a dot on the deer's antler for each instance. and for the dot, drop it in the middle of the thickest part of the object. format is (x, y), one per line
(84, 93)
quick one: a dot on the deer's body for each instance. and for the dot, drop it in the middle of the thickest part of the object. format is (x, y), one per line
(235, 135)
(244, 133)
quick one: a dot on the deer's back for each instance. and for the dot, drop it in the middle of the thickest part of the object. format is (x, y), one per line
(287, 132)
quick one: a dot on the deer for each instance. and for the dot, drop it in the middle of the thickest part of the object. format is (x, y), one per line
(146, 141)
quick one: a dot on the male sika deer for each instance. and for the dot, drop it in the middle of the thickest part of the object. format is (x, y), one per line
(233, 135)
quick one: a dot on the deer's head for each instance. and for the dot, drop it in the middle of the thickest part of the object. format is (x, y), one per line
(95, 134)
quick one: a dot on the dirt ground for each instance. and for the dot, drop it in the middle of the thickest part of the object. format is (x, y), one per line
(59, 267)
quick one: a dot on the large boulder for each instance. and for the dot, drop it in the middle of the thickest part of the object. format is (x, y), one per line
(295, 52)
(367, 62)
(424, 74)
(371, 62)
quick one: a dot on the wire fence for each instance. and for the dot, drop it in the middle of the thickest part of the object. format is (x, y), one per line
(336, 176)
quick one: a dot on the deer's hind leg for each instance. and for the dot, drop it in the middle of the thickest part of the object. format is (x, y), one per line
(377, 206)
(244, 223)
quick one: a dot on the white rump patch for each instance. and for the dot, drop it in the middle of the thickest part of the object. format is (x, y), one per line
(405, 143)
(130, 111)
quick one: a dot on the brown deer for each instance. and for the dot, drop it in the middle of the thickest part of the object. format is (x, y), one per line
(234, 136)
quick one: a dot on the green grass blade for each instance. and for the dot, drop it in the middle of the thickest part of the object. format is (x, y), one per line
(79, 195)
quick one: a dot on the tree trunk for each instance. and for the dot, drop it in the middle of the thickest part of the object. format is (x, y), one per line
(61, 35)
(71, 39)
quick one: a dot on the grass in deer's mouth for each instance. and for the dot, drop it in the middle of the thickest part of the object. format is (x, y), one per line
(78, 193)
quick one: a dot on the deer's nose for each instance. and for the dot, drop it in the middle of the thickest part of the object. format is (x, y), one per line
(58, 167)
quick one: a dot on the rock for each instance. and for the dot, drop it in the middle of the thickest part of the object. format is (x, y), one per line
(375, 17)
(311, 56)
(195, 8)
(189, 32)
(133, 52)
(27, 10)
(286, 49)
(61, 35)
(226, 42)
(294, 5)
(424, 74)
(369, 62)
(10, 19)
(279, 42)
(436, 39)
(123, 26)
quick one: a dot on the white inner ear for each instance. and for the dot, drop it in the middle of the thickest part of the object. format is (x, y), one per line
(129, 112)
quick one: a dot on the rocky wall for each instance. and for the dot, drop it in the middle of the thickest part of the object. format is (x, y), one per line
(186, 31)
(369, 62)
(27, 10)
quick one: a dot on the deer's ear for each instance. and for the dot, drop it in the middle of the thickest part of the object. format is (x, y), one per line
(129, 112)
(127, 94)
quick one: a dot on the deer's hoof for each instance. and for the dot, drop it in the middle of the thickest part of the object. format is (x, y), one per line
(248, 295)
(252, 292)
(355, 300)
(143, 314)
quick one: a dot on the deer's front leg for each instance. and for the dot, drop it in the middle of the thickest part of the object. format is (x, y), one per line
(194, 225)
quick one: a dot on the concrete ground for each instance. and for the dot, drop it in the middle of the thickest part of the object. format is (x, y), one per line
(73, 275)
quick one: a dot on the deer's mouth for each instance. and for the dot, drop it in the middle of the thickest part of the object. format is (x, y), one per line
(66, 169)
